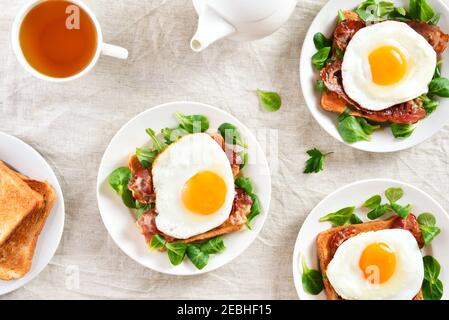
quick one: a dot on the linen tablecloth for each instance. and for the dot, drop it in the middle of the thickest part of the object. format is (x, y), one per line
(71, 124)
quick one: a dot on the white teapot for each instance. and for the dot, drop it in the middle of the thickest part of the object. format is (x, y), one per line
(241, 20)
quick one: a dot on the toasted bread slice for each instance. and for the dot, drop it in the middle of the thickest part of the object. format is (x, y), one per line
(16, 254)
(221, 230)
(324, 254)
(17, 201)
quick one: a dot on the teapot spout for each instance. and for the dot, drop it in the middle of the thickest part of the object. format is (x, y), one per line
(211, 27)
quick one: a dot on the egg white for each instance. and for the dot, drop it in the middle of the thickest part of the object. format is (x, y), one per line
(356, 70)
(348, 279)
(179, 162)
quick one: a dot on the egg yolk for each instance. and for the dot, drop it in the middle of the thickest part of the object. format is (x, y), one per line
(378, 263)
(204, 193)
(388, 65)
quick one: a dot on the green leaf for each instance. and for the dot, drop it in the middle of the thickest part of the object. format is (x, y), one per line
(213, 246)
(352, 131)
(402, 130)
(312, 280)
(373, 202)
(269, 101)
(432, 287)
(176, 252)
(429, 233)
(197, 256)
(355, 219)
(256, 209)
(232, 135)
(119, 178)
(340, 218)
(432, 290)
(157, 242)
(320, 86)
(341, 15)
(316, 162)
(193, 123)
(421, 10)
(435, 19)
(367, 127)
(172, 135)
(146, 156)
(394, 194)
(402, 211)
(437, 73)
(427, 219)
(158, 144)
(127, 198)
(346, 113)
(372, 10)
(378, 212)
(439, 87)
(245, 156)
(429, 104)
(432, 268)
(245, 183)
(319, 59)
(321, 41)
(142, 208)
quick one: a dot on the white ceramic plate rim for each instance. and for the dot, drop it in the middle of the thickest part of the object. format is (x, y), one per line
(260, 220)
(426, 128)
(56, 218)
(315, 214)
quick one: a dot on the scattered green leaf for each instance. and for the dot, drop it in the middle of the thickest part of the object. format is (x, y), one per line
(269, 101)
(312, 280)
(340, 218)
(316, 162)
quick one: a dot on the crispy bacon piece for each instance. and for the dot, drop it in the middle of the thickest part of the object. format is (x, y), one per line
(411, 224)
(219, 139)
(241, 207)
(141, 186)
(333, 79)
(433, 34)
(339, 237)
(147, 225)
(407, 112)
(344, 32)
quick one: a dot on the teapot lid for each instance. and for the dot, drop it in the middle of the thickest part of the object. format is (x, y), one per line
(242, 10)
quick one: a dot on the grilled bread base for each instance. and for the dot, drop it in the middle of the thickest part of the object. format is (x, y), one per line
(17, 201)
(16, 254)
(324, 254)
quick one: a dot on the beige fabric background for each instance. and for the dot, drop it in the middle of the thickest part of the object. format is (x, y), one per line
(71, 125)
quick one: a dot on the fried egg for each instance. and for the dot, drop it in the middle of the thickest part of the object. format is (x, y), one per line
(387, 64)
(194, 186)
(377, 265)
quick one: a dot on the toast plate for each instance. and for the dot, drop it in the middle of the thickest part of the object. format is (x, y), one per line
(356, 194)
(119, 221)
(382, 140)
(23, 158)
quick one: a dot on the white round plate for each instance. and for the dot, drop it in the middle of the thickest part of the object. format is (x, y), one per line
(383, 140)
(29, 162)
(356, 194)
(120, 222)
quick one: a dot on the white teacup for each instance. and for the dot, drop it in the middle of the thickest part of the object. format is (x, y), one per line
(102, 48)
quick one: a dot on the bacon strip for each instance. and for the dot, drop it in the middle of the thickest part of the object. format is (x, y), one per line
(433, 34)
(407, 112)
(141, 186)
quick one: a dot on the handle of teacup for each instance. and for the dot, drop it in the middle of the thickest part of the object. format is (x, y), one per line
(114, 51)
